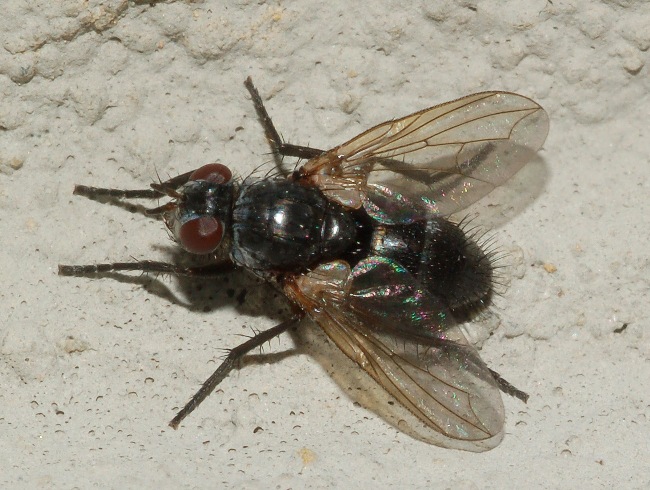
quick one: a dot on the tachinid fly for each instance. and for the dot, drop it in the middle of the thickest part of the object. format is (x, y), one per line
(358, 240)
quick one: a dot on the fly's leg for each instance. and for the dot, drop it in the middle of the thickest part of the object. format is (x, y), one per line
(146, 266)
(233, 357)
(156, 190)
(99, 192)
(277, 145)
(230, 363)
(508, 388)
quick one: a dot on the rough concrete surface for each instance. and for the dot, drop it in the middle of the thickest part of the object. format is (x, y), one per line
(114, 93)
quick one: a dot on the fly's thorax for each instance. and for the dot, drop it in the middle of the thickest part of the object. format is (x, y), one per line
(280, 225)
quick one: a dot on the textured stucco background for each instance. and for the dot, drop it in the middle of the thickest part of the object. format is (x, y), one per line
(115, 92)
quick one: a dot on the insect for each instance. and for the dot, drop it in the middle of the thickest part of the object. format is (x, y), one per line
(358, 239)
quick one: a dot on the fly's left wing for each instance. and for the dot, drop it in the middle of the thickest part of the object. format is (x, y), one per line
(405, 340)
(443, 158)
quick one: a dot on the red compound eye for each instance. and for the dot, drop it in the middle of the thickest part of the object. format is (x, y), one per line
(212, 172)
(201, 235)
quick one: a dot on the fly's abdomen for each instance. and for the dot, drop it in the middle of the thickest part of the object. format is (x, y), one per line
(446, 261)
(278, 225)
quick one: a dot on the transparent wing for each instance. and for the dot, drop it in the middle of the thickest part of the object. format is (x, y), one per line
(406, 341)
(441, 159)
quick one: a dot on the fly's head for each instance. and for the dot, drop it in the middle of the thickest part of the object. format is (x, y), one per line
(198, 216)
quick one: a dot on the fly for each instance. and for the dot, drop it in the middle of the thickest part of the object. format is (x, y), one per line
(358, 239)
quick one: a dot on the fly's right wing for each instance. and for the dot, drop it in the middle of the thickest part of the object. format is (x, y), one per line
(404, 338)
